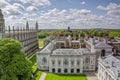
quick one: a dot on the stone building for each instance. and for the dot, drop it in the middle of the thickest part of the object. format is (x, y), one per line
(115, 42)
(62, 55)
(109, 68)
(28, 37)
(101, 47)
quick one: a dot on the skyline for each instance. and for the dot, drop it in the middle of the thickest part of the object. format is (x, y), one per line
(59, 14)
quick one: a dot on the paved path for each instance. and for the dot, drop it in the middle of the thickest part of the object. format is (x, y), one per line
(43, 76)
(91, 75)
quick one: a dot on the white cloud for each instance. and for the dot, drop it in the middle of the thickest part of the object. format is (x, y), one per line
(9, 9)
(12, 17)
(32, 8)
(112, 9)
(76, 18)
(3, 3)
(18, 6)
(101, 7)
(83, 2)
(37, 2)
(111, 6)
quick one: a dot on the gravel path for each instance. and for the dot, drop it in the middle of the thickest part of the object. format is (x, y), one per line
(43, 76)
(91, 75)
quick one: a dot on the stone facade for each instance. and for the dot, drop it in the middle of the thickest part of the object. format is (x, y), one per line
(109, 68)
(63, 55)
(28, 37)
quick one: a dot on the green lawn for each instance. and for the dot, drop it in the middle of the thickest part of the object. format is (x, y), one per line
(41, 42)
(34, 64)
(65, 77)
(38, 75)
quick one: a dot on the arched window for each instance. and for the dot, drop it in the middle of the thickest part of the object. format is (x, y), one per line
(44, 60)
(102, 52)
(65, 70)
(59, 70)
(72, 62)
(72, 70)
(53, 70)
(78, 70)
(78, 62)
(53, 62)
(65, 62)
(59, 62)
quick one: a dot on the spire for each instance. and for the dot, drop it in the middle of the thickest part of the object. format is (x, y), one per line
(13, 28)
(18, 28)
(9, 30)
(0, 12)
(2, 25)
(1, 15)
(36, 25)
(27, 26)
(13, 33)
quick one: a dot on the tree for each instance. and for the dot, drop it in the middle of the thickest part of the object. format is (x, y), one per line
(114, 34)
(13, 63)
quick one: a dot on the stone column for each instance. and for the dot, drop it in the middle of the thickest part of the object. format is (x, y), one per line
(81, 65)
(62, 67)
(69, 66)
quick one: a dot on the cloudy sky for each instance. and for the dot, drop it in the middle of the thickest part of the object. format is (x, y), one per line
(59, 14)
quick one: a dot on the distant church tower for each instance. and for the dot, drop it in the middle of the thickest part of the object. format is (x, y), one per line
(2, 25)
(68, 29)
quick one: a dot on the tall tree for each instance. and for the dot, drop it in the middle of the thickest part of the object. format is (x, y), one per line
(13, 63)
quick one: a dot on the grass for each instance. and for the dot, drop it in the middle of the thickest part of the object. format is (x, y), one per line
(41, 42)
(65, 77)
(34, 64)
(38, 75)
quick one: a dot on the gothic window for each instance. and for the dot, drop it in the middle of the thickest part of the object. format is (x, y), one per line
(0, 29)
(44, 60)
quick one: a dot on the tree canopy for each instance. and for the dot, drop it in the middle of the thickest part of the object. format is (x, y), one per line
(13, 63)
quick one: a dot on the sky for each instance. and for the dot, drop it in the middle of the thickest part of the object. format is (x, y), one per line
(59, 14)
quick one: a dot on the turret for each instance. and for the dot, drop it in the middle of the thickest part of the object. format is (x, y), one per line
(2, 25)
(36, 25)
(9, 31)
(27, 26)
